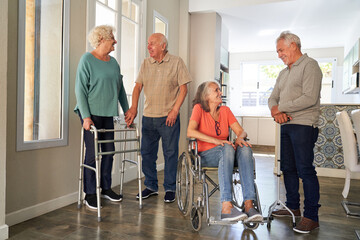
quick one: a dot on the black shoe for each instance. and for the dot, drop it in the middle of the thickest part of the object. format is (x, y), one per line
(109, 194)
(147, 193)
(169, 197)
(91, 201)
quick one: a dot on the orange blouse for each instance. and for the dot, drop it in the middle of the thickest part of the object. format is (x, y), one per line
(207, 125)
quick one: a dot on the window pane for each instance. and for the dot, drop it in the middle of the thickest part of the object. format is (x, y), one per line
(112, 4)
(104, 15)
(268, 75)
(134, 12)
(249, 77)
(249, 99)
(43, 67)
(160, 26)
(125, 8)
(128, 54)
(43, 76)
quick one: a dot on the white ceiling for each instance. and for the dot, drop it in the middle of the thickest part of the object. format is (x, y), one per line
(254, 25)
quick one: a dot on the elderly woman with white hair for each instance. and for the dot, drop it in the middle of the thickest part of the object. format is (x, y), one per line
(98, 89)
(209, 124)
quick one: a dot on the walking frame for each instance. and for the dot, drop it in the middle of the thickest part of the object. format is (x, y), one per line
(278, 201)
(99, 153)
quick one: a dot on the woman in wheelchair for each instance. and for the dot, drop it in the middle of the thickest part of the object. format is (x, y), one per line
(209, 124)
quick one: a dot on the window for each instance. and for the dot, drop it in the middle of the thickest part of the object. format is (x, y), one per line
(42, 106)
(124, 15)
(160, 24)
(255, 81)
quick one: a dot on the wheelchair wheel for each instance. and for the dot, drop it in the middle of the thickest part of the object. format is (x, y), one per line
(251, 225)
(184, 183)
(237, 194)
(195, 218)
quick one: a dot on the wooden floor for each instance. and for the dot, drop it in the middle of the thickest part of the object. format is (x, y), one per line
(158, 220)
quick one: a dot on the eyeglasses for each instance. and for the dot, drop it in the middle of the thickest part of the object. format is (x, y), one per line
(217, 128)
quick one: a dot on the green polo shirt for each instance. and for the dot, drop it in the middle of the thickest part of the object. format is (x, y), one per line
(99, 87)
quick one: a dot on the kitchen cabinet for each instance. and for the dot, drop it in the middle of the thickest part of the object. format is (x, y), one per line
(261, 130)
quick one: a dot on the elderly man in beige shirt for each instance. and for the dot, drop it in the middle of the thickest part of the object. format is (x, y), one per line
(164, 78)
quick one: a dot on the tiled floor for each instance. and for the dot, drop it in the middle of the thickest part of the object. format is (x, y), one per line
(158, 220)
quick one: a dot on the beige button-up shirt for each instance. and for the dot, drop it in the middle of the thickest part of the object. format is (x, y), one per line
(161, 83)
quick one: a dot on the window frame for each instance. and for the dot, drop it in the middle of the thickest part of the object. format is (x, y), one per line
(22, 145)
(164, 20)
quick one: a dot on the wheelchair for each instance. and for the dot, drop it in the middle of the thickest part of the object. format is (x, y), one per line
(192, 190)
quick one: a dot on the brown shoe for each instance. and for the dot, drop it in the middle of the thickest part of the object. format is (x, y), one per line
(285, 213)
(306, 225)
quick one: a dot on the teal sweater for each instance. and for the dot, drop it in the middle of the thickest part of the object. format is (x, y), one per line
(99, 87)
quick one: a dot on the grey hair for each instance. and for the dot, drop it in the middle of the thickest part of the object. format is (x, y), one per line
(201, 94)
(289, 38)
(98, 33)
(164, 41)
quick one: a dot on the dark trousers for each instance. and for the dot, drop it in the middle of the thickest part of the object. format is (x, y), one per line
(106, 160)
(297, 155)
(152, 130)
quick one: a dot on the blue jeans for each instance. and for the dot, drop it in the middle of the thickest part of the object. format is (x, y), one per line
(152, 130)
(223, 157)
(297, 155)
(106, 160)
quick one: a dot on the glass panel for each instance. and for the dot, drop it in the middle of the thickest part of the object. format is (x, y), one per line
(104, 15)
(125, 8)
(160, 26)
(134, 12)
(128, 54)
(112, 4)
(102, 1)
(249, 77)
(249, 99)
(43, 75)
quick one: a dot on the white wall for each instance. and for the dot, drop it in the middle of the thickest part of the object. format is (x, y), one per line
(354, 35)
(205, 37)
(224, 37)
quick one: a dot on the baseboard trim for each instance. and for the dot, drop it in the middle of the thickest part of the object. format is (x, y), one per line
(4, 232)
(39, 209)
(45, 207)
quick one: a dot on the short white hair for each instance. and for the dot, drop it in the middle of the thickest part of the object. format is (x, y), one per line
(98, 33)
(289, 37)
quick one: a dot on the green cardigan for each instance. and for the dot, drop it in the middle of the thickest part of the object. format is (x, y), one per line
(99, 87)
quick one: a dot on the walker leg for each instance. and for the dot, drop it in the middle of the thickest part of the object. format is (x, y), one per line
(82, 149)
(139, 180)
(122, 167)
(97, 173)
